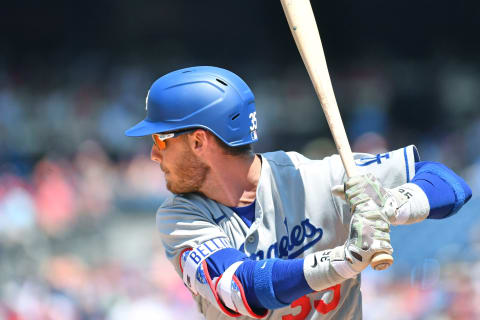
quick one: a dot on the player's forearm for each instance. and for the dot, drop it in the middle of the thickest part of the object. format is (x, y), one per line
(273, 283)
(276, 283)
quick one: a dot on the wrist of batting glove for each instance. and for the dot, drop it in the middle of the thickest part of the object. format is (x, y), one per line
(320, 272)
(406, 204)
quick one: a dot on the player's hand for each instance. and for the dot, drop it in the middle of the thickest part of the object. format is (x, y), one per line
(369, 234)
(366, 192)
(359, 188)
(370, 226)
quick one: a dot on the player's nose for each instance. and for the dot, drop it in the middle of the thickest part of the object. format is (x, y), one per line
(156, 154)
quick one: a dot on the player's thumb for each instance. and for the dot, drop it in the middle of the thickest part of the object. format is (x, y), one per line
(338, 191)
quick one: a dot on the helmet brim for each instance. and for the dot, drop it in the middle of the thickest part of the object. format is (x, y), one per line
(145, 128)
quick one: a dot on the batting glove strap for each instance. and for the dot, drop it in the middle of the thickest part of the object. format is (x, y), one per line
(319, 271)
(406, 204)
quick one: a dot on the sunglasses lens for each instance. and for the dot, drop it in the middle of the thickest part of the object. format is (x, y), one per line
(159, 143)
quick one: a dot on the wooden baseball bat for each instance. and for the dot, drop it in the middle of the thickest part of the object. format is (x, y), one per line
(305, 32)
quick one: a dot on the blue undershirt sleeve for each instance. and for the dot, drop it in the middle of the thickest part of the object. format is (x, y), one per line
(445, 190)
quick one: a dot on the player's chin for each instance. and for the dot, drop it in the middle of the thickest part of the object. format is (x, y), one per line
(170, 185)
(171, 188)
(175, 188)
(182, 188)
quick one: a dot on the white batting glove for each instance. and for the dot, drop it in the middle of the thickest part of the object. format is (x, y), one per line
(364, 193)
(369, 227)
(406, 204)
(402, 205)
(369, 235)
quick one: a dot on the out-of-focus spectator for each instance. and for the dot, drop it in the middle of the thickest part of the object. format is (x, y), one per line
(370, 142)
(17, 208)
(95, 179)
(142, 183)
(319, 148)
(54, 197)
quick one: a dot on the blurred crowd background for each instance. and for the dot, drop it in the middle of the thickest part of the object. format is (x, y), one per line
(77, 198)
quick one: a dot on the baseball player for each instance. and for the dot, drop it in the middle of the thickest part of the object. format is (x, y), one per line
(274, 235)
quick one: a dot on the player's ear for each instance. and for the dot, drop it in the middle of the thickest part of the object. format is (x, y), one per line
(155, 154)
(198, 140)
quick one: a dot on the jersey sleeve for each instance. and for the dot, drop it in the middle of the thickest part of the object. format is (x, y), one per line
(392, 168)
(182, 227)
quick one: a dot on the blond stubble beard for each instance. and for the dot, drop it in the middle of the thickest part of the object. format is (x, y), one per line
(191, 173)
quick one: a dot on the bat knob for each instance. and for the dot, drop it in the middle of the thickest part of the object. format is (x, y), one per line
(381, 261)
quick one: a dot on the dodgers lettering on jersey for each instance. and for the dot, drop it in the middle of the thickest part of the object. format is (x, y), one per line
(295, 214)
(292, 245)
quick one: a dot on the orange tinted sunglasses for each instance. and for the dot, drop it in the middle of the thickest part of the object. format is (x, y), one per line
(159, 138)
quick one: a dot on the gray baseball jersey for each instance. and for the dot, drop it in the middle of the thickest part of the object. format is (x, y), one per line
(295, 214)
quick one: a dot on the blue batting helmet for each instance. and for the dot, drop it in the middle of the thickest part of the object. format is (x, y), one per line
(201, 97)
